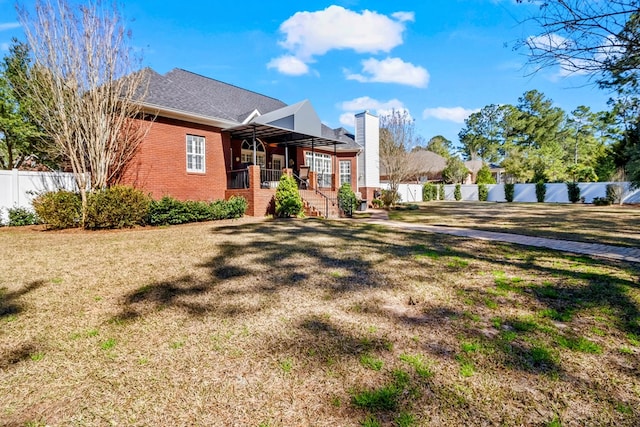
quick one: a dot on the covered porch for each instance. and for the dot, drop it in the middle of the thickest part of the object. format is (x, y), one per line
(283, 141)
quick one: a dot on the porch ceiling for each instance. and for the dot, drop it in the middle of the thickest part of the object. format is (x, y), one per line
(270, 134)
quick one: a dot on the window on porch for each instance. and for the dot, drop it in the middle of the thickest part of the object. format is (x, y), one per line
(322, 167)
(246, 153)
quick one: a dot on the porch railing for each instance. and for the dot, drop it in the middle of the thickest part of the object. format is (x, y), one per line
(238, 178)
(270, 175)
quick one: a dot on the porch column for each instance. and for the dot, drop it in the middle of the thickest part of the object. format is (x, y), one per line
(255, 149)
(313, 179)
(334, 175)
(286, 155)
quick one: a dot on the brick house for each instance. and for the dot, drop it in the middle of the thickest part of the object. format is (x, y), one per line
(211, 140)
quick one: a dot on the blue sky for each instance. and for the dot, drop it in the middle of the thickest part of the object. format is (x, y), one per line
(438, 59)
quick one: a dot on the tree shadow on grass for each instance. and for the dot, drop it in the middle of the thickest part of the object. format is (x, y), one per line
(10, 304)
(275, 258)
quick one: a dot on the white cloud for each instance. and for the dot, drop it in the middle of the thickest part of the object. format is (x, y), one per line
(404, 16)
(348, 119)
(315, 33)
(451, 114)
(289, 65)
(311, 34)
(365, 103)
(9, 25)
(391, 70)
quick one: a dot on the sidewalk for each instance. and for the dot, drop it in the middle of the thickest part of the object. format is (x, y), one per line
(380, 217)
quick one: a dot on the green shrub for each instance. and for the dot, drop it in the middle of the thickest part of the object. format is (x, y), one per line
(377, 203)
(389, 197)
(484, 176)
(288, 200)
(21, 216)
(601, 201)
(574, 192)
(441, 192)
(116, 207)
(235, 207)
(457, 193)
(429, 192)
(483, 192)
(59, 209)
(541, 191)
(509, 191)
(347, 201)
(169, 211)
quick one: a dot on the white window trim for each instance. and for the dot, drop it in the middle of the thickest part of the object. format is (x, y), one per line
(196, 139)
(326, 163)
(246, 154)
(340, 163)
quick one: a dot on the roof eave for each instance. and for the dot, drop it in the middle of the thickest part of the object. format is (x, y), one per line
(186, 116)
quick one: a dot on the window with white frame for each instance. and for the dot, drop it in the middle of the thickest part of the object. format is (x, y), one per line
(322, 167)
(345, 172)
(195, 154)
(246, 153)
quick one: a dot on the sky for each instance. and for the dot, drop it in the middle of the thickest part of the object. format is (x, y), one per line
(438, 60)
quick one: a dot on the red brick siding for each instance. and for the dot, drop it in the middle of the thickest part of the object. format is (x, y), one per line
(160, 166)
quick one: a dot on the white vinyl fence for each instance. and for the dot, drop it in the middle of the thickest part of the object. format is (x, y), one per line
(19, 188)
(556, 192)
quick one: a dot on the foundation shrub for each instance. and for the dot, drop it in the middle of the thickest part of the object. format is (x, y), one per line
(119, 206)
(169, 211)
(58, 209)
(288, 200)
(21, 216)
(347, 200)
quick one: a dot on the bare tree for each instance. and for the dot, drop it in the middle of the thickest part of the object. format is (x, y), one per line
(85, 93)
(397, 131)
(587, 37)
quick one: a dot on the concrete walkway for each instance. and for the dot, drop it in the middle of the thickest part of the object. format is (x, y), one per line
(380, 217)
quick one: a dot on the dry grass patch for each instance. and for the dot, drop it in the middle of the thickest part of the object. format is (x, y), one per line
(311, 322)
(613, 225)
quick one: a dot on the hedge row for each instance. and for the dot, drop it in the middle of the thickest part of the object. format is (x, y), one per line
(123, 206)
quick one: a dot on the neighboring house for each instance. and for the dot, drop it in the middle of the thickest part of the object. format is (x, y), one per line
(427, 165)
(211, 140)
(474, 167)
(422, 166)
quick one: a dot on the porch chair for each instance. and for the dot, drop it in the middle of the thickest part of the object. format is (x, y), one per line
(303, 177)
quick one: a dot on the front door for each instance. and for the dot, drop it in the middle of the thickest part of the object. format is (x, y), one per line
(277, 162)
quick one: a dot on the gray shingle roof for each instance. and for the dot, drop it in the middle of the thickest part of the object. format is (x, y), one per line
(192, 93)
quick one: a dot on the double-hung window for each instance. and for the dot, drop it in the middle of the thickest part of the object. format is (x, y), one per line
(195, 154)
(345, 172)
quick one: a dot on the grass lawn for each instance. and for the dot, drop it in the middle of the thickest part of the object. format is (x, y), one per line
(613, 225)
(311, 322)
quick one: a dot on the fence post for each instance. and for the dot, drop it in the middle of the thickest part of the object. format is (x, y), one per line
(15, 188)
